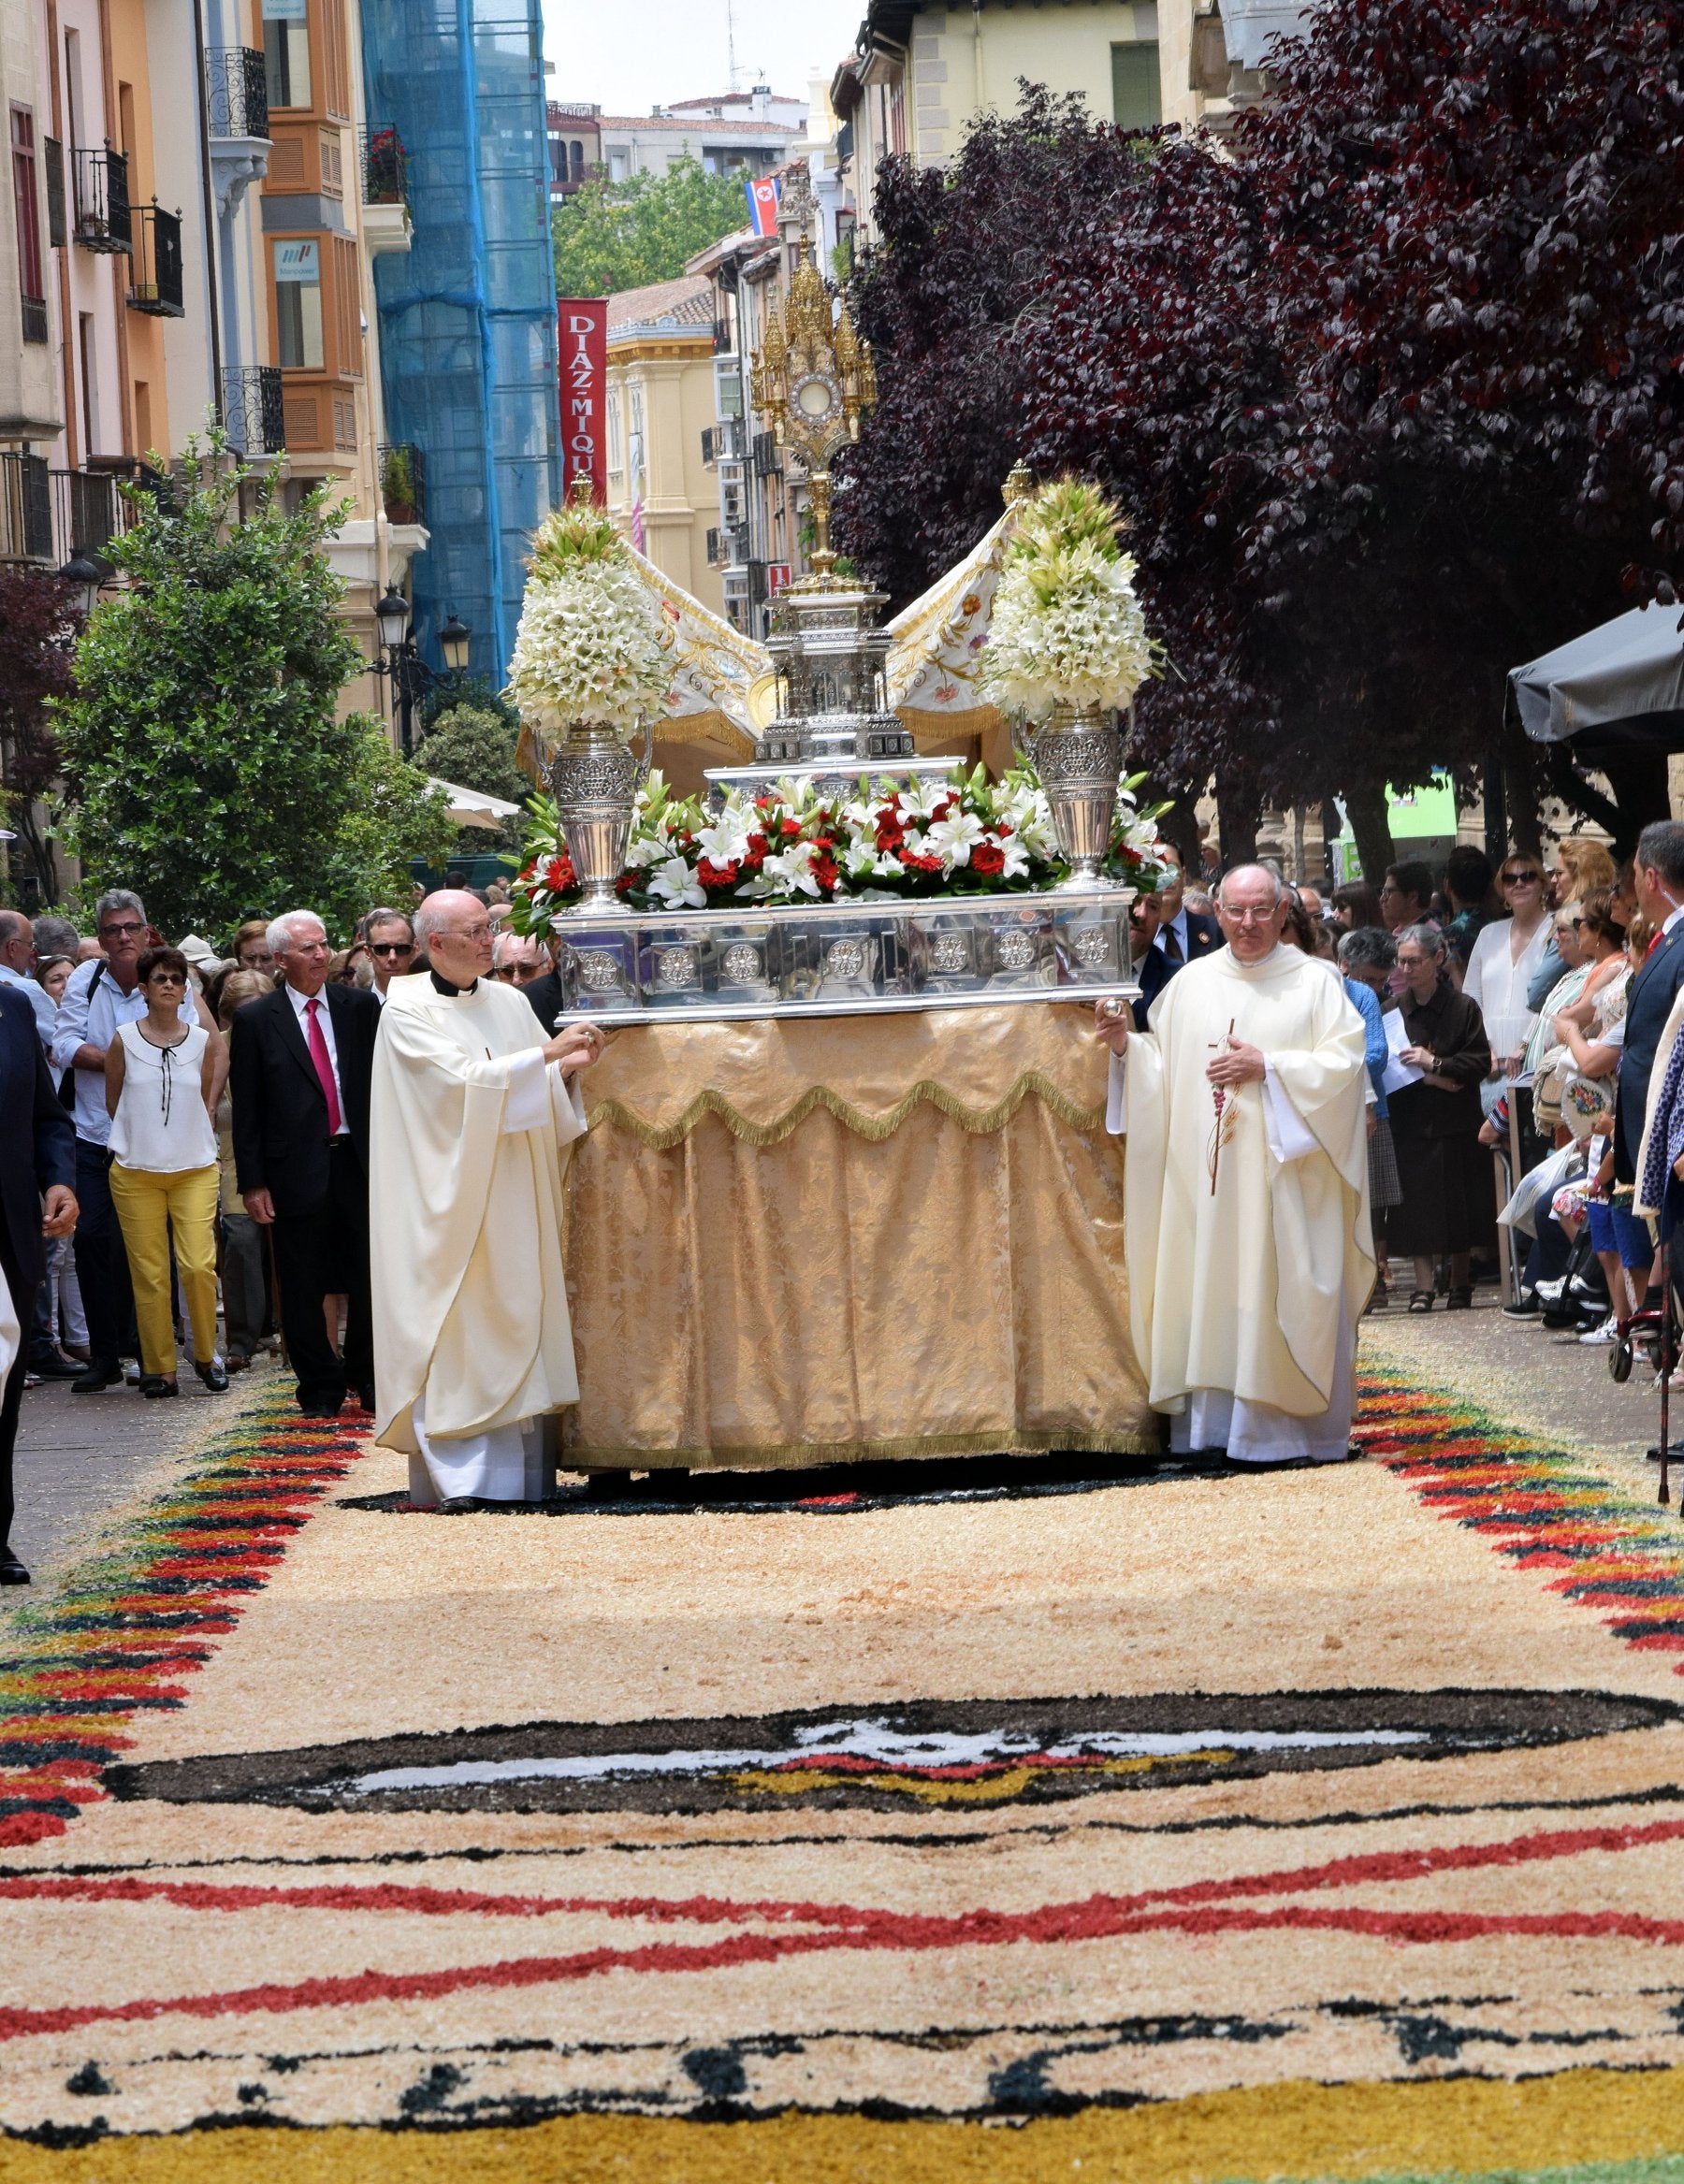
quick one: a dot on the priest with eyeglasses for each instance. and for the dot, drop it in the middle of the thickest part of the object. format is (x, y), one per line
(1249, 1244)
(473, 1112)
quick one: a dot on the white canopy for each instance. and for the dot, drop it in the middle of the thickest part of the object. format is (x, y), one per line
(475, 808)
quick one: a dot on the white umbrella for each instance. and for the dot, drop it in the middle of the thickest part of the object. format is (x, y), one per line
(475, 808)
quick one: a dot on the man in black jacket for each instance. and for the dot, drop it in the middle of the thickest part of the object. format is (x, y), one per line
(1183, 934)
(36, 1200)
(301, 1064)
(1659, 879)
(545, 994)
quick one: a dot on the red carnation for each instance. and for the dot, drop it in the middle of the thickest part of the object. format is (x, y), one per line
(890, 833)
(824, 871)
(943, 808)
(988, 859)
(757, 849)
(716, 875)
(787, 827)
(914, 862)
(626, 882)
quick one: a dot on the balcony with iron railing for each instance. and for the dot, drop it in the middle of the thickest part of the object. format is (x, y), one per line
(236, 92)
(403, 482)
(252, 413)
(155, 263)
(722, 443)
(89, 510)
(103, 223)
(384, 169)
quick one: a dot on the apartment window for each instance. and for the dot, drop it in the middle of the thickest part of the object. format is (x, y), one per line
(298, 303)
(286, 51)
(1136, 102)
(26, 208)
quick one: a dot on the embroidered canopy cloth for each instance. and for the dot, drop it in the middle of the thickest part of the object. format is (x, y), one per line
(805, 1241)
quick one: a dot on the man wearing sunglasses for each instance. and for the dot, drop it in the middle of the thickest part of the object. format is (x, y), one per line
(390, 940)
(102, 995)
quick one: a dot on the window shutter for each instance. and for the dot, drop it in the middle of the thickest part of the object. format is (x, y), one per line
(348, 308)
(53, 156)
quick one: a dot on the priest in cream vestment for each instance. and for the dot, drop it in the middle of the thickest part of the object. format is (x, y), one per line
(471, 1120)
(1249, 1242)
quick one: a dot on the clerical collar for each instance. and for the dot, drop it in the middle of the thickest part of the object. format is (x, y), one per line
(443, 985)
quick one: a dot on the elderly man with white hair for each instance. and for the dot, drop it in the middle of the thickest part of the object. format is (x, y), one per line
(471, 1117)
(1246, 1190)
(299, 1064)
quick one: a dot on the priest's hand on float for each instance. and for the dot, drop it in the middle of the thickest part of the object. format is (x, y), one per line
(574, 1048)
(1111, 1021)
(1237, 1064)
(260, 1206)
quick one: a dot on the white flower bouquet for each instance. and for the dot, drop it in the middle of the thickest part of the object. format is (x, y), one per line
(1066, 627)
(589, 652)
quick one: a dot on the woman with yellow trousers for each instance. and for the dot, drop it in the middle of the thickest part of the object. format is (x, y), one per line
(162, 1079)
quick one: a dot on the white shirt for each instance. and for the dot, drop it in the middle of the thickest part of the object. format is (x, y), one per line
(300, 1004)
(1498, 980)
(83, 1024)
(46, 1011)
(162, 1126)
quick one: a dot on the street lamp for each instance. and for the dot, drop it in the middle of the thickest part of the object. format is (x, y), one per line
(412, 677)
(89, 572)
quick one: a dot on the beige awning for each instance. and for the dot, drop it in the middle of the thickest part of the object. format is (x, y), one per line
(475, 808)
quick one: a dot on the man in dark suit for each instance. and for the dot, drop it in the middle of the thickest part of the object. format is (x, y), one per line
(545, 994)
(1658, 877)
(1153, 969)
(301, 1064)
(36, 1199)
(1183, 934)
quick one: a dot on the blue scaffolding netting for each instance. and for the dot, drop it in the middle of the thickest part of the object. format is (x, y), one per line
(468, 315)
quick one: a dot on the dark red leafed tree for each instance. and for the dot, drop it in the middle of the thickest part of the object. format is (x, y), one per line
(38, 616)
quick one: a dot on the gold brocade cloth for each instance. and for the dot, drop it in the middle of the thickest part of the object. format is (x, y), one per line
(796, 1242)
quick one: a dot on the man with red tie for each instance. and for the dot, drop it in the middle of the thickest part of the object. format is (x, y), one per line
(300, 1064)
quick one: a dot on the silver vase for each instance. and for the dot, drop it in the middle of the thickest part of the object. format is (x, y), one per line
(594, 779)
(1079, 756)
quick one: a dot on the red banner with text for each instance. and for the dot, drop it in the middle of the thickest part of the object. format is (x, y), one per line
(582, 327)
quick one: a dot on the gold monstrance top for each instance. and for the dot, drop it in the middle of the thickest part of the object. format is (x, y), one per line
(815, 379)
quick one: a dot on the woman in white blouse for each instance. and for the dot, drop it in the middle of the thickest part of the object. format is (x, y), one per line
(162, 1079)
(1505, 956)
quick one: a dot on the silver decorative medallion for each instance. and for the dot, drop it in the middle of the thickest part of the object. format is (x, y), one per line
(741, 964)
(844, 958)
(1090, 945)
(1014, 951)
(676, 967)
(599, 972)
(949, 952)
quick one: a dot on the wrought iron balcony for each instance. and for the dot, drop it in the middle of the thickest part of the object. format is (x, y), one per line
(155, 263)
(403, 482)
(25, 508)
(252, 413)
(384, 169)
(103, 221)
(236, 92)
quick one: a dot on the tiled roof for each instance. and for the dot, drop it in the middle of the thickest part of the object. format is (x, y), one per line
(684, 302)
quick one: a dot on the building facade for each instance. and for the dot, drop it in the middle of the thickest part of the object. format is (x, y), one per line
(661, 489)
(576, 147)
(747, 130)
(467, 315)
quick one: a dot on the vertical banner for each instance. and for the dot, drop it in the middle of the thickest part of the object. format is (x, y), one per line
(581, 347)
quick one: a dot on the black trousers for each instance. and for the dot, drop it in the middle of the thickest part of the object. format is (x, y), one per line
(102, 1265)
(320, 1254)
(23, 1304)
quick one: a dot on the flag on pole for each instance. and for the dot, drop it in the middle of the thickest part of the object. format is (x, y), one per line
(763, 196)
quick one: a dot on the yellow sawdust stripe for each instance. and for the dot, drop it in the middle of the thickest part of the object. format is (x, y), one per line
(1462, 2126)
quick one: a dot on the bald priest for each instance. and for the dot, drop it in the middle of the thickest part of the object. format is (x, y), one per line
(1249, 1242)
(471, 1120)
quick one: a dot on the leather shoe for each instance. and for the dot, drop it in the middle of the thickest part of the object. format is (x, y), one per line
(366, 1397)
(53, 1365)
(104, 1372)
(321, 1410)
(213, 1375)
(11, 1570)
(462, 1505)
(154, 1384)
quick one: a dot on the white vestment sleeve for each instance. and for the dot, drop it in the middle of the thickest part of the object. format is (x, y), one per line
(1288, 1138)
(1116, 1097)
(528, 1105)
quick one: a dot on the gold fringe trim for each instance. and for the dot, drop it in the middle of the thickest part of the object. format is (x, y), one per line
(794, 1455)
(874, 1129)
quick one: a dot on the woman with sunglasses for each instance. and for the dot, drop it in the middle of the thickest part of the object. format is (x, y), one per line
(162, 1079)
(1504, 958)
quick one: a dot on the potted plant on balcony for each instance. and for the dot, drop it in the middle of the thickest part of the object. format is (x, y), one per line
(385, 178)
(397, 485)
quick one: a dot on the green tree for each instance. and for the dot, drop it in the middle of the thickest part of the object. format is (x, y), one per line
(474, 747)
(627, 234)
(206, 764)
